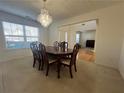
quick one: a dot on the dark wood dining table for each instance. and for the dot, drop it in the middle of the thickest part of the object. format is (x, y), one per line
(59, 53)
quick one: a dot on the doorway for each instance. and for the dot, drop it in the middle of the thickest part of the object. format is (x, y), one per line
(83, 33)
(85, 37)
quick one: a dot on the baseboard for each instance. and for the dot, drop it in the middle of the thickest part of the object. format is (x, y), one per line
(107, 66)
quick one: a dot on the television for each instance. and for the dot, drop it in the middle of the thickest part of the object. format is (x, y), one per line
(90, 43)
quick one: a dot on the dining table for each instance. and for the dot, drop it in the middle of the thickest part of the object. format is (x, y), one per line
(59, 53)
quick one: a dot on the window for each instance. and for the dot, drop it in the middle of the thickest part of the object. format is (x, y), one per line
(77, 37)
(31, 35)
(19, 36)
(14, 35)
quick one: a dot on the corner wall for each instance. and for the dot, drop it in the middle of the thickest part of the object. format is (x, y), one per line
(121, 63)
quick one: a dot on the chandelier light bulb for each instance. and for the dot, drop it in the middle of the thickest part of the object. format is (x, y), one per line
(44, 18)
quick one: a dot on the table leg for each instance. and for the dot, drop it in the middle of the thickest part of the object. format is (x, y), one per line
(58, 66)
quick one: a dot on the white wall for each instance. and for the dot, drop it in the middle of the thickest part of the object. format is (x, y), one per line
(54, 32)
(109, 33)
(8, 54)
(87, 35)
(121, 65)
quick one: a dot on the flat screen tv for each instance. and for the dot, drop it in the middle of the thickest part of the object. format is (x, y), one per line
(90, 43)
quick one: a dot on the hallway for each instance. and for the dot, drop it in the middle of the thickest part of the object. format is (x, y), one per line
(86, 55)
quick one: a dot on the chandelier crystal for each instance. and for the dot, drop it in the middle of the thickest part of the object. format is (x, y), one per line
(44, 18)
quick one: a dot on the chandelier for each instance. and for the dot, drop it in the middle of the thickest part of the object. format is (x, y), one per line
(44, 18)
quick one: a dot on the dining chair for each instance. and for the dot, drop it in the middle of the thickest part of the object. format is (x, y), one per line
(56, 44)
(47, 60)
(36, 57)
(69, 62)
(64, 45)
(41, 62)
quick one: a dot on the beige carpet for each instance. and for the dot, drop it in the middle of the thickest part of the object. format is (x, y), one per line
(18, 76)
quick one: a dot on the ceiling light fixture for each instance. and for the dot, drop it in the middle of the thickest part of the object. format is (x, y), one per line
(44, 18)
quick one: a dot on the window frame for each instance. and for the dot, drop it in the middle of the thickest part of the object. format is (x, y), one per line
(24, 36)
(30, 36)
(78, 38)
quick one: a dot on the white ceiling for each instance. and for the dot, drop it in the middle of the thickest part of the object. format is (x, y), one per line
(86, 26)
(59, 9)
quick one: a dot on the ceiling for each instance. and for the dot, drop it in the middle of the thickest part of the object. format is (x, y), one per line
(59, 9)
(86, 26)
